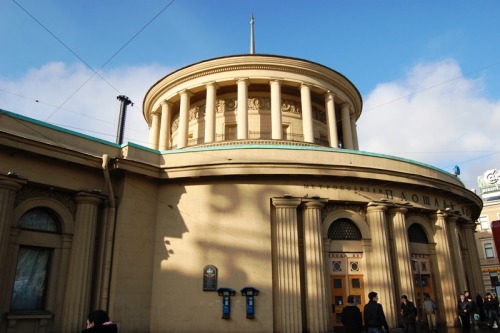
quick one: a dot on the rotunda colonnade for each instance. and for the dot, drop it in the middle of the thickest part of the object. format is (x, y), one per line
(253, 97)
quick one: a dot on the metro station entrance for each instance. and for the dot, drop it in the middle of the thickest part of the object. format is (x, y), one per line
(346, 279)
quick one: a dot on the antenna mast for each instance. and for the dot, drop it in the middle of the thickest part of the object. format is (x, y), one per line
(252, 43)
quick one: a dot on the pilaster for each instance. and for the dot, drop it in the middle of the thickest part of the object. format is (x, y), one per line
(456, 253)
(445, 284)
(288, 309)
(379, 263)
(402, 251)
(316, 299)
(474, 269)
(77, 296)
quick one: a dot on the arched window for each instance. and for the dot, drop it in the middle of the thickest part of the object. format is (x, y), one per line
(416, 234)
(40, 220)
(33, 262)
(344, 229)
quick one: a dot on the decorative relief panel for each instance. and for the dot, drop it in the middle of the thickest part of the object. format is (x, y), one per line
(28, 192)
(291, 106)
(332, 207)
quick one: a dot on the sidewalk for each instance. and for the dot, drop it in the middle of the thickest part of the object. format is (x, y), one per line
(478, 328)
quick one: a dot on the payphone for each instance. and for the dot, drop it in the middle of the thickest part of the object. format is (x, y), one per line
(250, 292)
(226, 294)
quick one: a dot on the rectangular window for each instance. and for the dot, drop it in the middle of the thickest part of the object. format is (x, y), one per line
(485, 223)
(30, 283)
(230, 132)
(488, 250)
(493, 278)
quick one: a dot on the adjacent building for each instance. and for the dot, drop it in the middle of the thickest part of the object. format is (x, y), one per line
(253, 210)
(490, 193)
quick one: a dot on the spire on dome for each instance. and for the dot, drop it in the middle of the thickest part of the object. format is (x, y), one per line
(252, 42)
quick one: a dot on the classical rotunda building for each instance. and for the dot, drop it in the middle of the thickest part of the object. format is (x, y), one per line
(253, 210)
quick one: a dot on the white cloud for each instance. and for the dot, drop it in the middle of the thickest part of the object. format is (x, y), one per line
(70, 97)
(435, 116)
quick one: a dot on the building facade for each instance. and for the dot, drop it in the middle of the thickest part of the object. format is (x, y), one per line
(488, 252)
(253, 181)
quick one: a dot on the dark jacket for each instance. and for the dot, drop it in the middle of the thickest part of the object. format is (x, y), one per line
(351, 319)
(374, 316)
(106, 328)
(464, 308)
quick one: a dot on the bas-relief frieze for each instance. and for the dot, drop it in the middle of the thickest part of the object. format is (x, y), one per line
(254, 104)
(28, 192)
(332, 207)
(417, 199)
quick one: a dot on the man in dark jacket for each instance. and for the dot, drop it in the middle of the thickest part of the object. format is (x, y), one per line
(374, 315)
(351, 317)
(409, 313)
(98, 322)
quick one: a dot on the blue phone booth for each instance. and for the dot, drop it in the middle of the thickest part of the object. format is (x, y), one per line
(250, 292)
(226, 294)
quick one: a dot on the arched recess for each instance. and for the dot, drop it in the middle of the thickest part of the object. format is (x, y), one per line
(65, 218)
(357, 219)
(345, 262)
(46, 254)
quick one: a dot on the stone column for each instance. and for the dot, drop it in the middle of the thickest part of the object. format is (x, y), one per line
(354, 132)
(307, 117)
(317, 305)
(402, 251)
(276, 122)
(242, 126)
(8, 190)
(474, 270)
(456, 253)
(379, 261)
(210, 112)
(182, 133)
(346, 127)
(287, 301)
(445, 284)
(331, 121)
(166, 114)
(153, 131)
(80, 272)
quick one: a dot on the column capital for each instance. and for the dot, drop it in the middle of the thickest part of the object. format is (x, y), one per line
(212, 84)
(469, 225)
(166, 102)
(286, 202)
(13, 183)
(185, 92)
(395, 210)
(88, 198)
(305, 85)
(314, 203)
(375, 206)
(242, 80)
(330, 95)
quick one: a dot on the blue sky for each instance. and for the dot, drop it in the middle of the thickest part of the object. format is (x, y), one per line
(428, 71)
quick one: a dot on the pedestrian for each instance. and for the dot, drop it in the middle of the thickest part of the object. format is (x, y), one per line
(430, 308)
(464, 308)
(374, 316)
(98, 322)
(491, 306)
(409, 313)
(480, 306)
(351, 316)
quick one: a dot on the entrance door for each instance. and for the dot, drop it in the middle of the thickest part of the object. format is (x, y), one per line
(341, 286)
